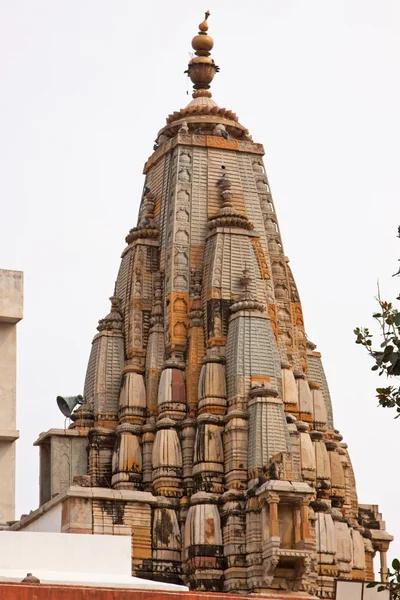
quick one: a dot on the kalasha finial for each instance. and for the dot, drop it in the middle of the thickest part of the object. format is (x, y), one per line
(203, 43)
(202, 68)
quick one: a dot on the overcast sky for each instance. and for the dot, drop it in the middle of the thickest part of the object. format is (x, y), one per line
(84, 87)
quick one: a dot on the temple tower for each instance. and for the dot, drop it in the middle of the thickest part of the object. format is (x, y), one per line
(205, 406)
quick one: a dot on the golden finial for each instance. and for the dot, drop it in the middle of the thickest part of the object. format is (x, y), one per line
(202, 68)
(204, 25)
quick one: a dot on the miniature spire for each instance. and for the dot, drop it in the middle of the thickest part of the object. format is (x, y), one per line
(201, 68)
(114, 319)
(228, 216)
(146, 226)
(246, 300)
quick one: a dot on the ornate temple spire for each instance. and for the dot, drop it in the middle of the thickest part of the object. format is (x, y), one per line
(202, 68)
(207, 410)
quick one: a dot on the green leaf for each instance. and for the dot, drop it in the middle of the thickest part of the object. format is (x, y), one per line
(372, 584)
(388, 351)
(381, 588)
(396, 564)
(395, 369)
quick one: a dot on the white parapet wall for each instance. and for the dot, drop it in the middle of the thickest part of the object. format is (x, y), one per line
(358, 590)
(74, 559)
(48, 522)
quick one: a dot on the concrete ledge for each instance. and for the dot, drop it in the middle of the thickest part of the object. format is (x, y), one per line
(107, 494)
(277, 485)
(58, 432)
(11, 296)
(76, 491)
(8, 435)
(379, 535)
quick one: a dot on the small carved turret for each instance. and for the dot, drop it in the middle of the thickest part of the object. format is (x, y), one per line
(146, 227)
(103, 380)
(228, 216)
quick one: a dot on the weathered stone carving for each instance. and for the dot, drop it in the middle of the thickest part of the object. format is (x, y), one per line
(202, 387)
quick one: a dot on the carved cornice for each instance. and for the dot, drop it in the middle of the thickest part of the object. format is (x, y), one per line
(135, 233)
(230, 220)
(262, 390)
(208, 141)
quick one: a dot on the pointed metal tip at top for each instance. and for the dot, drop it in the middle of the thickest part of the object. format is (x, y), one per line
(204, 25)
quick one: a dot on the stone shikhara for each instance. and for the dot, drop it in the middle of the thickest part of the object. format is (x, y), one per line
(207, 415)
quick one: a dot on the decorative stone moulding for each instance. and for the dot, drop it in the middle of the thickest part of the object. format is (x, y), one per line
(212, 387)
(208, 460)
(171, 394)
(203, 543)
(167, 460)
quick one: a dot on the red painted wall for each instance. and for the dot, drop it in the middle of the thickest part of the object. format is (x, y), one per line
(26, 591)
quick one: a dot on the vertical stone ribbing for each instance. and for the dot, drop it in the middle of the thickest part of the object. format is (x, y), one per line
(102, 386)
(316, 373)
(127, 460)
(268, 431)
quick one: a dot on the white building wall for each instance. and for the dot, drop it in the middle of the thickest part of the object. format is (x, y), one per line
(50, 521)
(71, 559)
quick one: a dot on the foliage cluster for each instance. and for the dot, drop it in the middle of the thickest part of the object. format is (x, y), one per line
(387, 355)
(393, 583)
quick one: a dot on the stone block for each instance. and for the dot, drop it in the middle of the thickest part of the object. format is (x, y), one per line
(11, 296)
(76, 515)
(63, 456)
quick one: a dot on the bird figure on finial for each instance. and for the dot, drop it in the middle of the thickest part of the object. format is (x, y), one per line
(246, 279)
